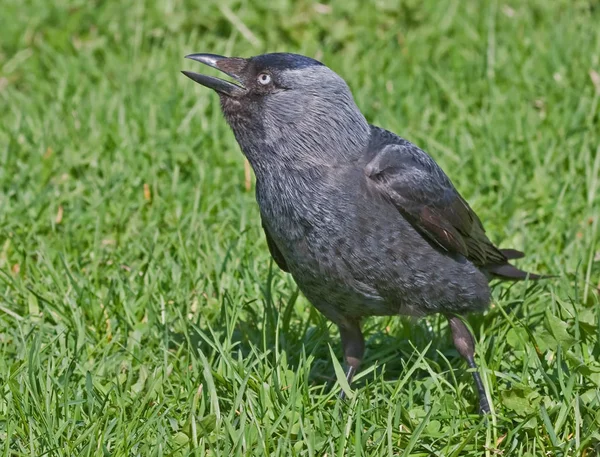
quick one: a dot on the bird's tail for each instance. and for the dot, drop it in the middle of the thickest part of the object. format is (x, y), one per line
(512, 254)
(510, 272)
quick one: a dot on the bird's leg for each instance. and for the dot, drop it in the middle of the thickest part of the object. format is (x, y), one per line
(353, 344)
(465, 344)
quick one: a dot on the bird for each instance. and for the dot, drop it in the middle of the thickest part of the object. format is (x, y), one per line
(366, 222)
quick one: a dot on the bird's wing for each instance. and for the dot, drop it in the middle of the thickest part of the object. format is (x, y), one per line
(423, 193)
(274, 250)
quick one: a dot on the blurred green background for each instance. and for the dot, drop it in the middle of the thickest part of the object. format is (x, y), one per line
(140, 313)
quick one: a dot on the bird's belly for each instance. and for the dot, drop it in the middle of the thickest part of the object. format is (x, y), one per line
(341, 269)
(331, 284)
(315, 243)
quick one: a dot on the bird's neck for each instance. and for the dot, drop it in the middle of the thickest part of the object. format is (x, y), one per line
(277, 150)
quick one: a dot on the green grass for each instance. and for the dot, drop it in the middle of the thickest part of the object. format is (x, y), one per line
(153, 322)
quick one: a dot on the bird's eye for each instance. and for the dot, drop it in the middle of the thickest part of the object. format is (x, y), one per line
(264, 79)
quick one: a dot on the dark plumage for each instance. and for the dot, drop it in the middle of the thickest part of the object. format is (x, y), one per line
(365, 221)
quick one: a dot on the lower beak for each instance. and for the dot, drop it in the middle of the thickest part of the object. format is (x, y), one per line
(231, 66)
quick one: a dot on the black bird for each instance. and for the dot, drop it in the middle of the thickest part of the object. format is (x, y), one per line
(365, 221)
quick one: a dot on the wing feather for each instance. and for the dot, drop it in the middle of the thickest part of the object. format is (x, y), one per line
(274, 250)
(423, 193)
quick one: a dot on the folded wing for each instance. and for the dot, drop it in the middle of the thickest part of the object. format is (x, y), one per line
(425, 196)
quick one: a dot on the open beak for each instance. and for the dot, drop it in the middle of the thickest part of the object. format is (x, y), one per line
(231, 66)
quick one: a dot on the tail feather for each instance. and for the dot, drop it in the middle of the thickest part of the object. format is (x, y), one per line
(508, 271)
(512, 254)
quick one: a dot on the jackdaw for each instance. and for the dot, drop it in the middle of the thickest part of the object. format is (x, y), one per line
(365, 221)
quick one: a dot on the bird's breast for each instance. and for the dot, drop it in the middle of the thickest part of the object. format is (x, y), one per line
(295, 204)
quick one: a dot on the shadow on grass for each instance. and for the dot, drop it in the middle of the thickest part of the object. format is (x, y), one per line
(269, 331)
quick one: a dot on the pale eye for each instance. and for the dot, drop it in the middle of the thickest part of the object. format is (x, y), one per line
(264, 79)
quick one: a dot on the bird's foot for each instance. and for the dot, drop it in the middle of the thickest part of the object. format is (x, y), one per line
(484, 406)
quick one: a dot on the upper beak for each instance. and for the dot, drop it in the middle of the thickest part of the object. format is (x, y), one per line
(231, 66)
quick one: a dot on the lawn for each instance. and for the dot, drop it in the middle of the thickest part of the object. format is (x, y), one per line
(140, 312)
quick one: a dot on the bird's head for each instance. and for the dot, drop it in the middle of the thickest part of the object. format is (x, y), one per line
(287, 100)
